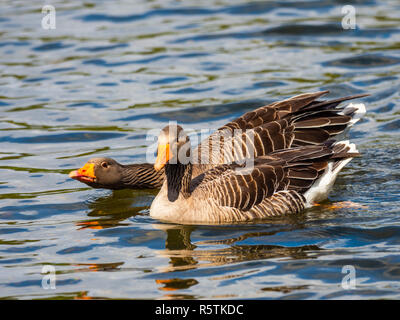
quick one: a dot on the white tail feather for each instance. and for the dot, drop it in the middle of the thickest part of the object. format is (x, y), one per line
(358, 114)
(321, 187)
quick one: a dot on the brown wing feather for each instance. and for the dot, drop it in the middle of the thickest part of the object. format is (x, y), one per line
(299, 121)
(233, 189)
(258, 118)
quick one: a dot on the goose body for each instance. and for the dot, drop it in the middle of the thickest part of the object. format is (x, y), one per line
(296, 161)
(281, 183)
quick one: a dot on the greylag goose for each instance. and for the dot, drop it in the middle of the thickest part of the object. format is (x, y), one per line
(295, 163)
(314, 122)
(283, 182)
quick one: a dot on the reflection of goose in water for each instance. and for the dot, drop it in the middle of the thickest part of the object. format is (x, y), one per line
(185, 255)
(112, 209)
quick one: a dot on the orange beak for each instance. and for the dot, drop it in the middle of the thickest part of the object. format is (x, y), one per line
(86, 173)
(163, 156)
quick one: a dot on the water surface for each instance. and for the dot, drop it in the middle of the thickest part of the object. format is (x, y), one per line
(113, 70)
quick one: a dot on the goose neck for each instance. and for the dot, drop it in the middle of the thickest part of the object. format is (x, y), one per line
(178, 180)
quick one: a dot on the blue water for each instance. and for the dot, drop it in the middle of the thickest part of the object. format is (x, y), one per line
(113, 70)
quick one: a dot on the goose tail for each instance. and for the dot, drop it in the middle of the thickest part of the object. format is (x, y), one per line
(344, 151)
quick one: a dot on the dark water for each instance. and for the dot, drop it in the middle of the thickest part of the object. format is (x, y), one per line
(113, 70)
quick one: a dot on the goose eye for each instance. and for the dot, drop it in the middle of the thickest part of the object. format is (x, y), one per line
(104, 164)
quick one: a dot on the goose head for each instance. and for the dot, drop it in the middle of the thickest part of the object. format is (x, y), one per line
(173, 147)
(99, 172)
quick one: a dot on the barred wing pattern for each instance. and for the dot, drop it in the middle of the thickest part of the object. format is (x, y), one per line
(276, 185)
(300, 120)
